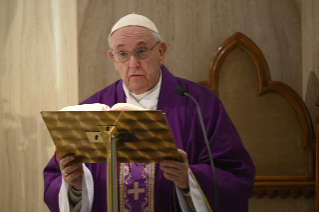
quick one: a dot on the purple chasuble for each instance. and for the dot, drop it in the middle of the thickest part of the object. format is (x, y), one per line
(234, 167)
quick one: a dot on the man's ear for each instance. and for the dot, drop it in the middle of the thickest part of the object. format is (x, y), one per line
(162, 51)
(111, 54)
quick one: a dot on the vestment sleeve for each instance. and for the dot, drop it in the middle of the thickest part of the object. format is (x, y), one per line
(56, 189)
(234, 168)
(194, 200)
(52, 185)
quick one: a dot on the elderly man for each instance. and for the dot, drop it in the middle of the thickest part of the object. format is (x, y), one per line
(138, 54)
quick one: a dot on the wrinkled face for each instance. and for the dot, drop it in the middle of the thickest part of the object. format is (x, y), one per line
(138, 75)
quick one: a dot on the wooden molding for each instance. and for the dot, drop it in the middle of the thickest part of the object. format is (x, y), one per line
(270, 184)
(294, 191)
(317, 161)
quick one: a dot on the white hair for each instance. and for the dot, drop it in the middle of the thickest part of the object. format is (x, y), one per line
(155, 35)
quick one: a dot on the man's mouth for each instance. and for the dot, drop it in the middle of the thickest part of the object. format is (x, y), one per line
(136, 75)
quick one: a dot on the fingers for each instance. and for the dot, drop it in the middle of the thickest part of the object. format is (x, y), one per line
(180, 169)
(73, 175)
(183, 155)
(180, 181)
(177, 164)
(172, 164)
(73, 170)
(176, 171)
(71, 167)
(171, 177)
(65, 161)
(172, 171)
(75, 178)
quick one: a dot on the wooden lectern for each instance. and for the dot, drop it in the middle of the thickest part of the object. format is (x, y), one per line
(112, 137)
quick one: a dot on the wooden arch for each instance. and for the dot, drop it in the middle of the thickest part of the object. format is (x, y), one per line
(270, 184)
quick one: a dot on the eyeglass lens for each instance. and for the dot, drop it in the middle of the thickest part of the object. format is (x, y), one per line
(141, 53)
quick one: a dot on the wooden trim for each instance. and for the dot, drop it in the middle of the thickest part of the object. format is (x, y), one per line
(283, 178)
(285, 183)
(278, 183)
(294, 191)
(317, 161)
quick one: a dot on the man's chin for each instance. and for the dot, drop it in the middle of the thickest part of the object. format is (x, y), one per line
(138, 90)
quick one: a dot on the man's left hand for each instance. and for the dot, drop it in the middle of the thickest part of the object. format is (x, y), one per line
(176, 171)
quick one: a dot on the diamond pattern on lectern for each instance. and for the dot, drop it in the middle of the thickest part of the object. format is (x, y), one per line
(154, 141)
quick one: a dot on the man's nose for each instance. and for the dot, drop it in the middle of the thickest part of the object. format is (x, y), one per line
(133, 61)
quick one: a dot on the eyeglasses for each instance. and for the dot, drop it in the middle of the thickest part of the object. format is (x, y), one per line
(141, 53)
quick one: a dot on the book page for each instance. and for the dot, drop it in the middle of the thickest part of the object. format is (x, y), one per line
(126, 107)
(87, 107)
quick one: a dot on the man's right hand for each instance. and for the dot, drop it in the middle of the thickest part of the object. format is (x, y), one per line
(72, 171)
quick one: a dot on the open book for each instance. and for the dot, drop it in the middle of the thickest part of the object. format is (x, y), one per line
(103, 107)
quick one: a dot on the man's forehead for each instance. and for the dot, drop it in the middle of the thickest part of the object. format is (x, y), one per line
(131, 35)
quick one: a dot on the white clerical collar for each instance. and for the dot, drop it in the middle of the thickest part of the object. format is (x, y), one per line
(147, 100)
(139, 97)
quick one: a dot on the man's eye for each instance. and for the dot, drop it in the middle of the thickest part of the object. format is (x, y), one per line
(140, 50)
(122, 54)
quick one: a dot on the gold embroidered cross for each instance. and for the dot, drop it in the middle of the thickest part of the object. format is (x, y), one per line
(136, 191)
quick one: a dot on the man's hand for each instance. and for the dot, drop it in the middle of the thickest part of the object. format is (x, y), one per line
(176, 171)
(72, 171)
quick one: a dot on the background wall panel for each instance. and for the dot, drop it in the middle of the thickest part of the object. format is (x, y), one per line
(38, 71)
(273, 25)
(193, 31)
(310, 55)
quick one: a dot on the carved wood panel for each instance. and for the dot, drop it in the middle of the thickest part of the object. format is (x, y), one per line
(270, 184)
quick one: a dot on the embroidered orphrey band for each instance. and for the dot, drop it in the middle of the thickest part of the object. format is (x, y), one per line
(148, 175)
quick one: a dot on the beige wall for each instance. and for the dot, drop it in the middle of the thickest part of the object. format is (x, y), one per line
(38, 72)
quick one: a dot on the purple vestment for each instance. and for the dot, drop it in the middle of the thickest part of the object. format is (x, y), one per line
(234, 167)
